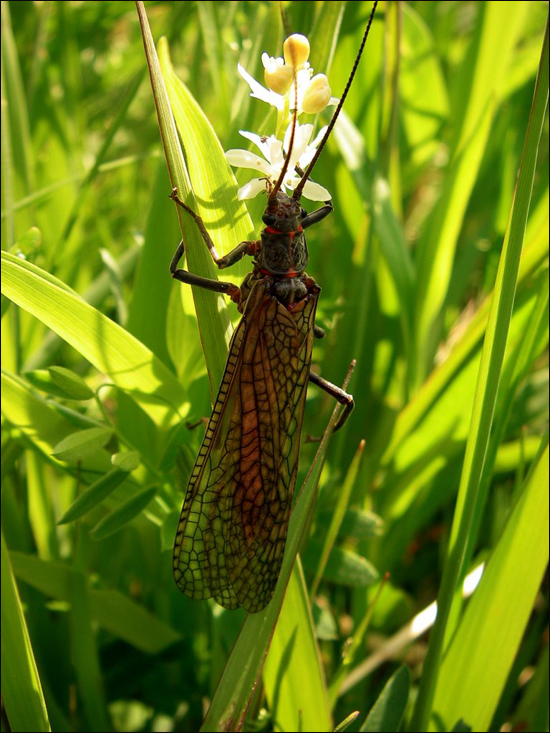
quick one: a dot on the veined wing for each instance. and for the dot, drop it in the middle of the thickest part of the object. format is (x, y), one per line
(232, 530)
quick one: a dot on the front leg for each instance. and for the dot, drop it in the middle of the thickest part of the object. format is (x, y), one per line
(233, 291)
(244, 248)
(318, 215)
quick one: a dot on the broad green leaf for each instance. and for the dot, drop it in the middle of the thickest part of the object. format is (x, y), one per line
(43, 380)
(387, 712)
(477, 662)
(361, 524)
(346, 567)
(21, 689)
(123, 514)
(126, 461)
(485, 397)
(325, 623)
(74, 386)
(472, 108)
(343, 566)
(209, 187)
(215, 195)
(94, 495)
(80, 445)
(129, 364)
(297, 699)
(112, 610)
(43, 425)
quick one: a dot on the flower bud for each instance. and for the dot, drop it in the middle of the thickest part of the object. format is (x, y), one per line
(296, 50)
(317, 95)
(279, 79)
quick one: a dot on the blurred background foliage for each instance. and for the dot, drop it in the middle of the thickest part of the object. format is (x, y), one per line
(422, 170)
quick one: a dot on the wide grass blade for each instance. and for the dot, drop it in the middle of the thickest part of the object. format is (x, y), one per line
(110, 348)
(486, 393)
(238, 681)
(387, 712)
(21, 688)
(472, 109)
(113, 611)
(480, 656)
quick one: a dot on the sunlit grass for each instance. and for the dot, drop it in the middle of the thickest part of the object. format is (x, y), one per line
(428, 280)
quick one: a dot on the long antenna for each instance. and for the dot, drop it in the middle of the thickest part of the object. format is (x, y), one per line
(286, 24)
(299, 188)
(284, 169)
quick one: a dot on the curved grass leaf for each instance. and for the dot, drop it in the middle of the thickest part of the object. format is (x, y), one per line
(80, 445)
(486, 393)
(74, 386)
(112, 610)
(43, 426)
(21, 688)
(111, 349)
(237, 683)
(472, 107)
(126, 461)
(94, 495)
(43, 380)
(480, 656)
(123, 514)
(387, 712)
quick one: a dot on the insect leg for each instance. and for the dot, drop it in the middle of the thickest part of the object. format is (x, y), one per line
(202, 282)
(318, 215)
(319, 332)
(231, 257)
(342, 397)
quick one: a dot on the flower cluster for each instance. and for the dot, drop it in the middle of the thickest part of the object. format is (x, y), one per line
(291, 85)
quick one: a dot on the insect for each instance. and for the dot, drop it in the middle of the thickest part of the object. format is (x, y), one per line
(233, 525)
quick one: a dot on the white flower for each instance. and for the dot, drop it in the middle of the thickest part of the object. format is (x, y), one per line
(260, 92)
(272, 163)
(281, 80)
(317, 95)
(277, 75)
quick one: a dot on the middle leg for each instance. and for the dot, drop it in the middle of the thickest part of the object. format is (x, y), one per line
(339, 394)
(236, 254)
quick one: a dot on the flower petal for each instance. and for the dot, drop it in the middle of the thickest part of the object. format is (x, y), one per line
(276, 157)
(246, 159)
(252, 188)
(272, 63)
(261, 143)
(301, 139)
(320, 135)
(311, 149)
(260, 92)
(315, 192)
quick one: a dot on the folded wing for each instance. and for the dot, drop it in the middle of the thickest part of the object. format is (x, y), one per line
(232, 530)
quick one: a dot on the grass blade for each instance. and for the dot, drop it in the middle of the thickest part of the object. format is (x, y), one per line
(109, 347)
(21, 689)
(481, 654)
(486, 393)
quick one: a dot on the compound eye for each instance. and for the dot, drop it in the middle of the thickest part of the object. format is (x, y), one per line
(268, 219)
(303, 214)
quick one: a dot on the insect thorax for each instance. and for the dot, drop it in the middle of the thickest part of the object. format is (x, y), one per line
(283, 253)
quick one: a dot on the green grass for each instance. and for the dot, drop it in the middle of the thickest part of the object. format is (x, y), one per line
(434, 277)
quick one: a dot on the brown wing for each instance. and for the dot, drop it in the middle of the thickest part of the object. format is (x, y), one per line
(232, 530)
